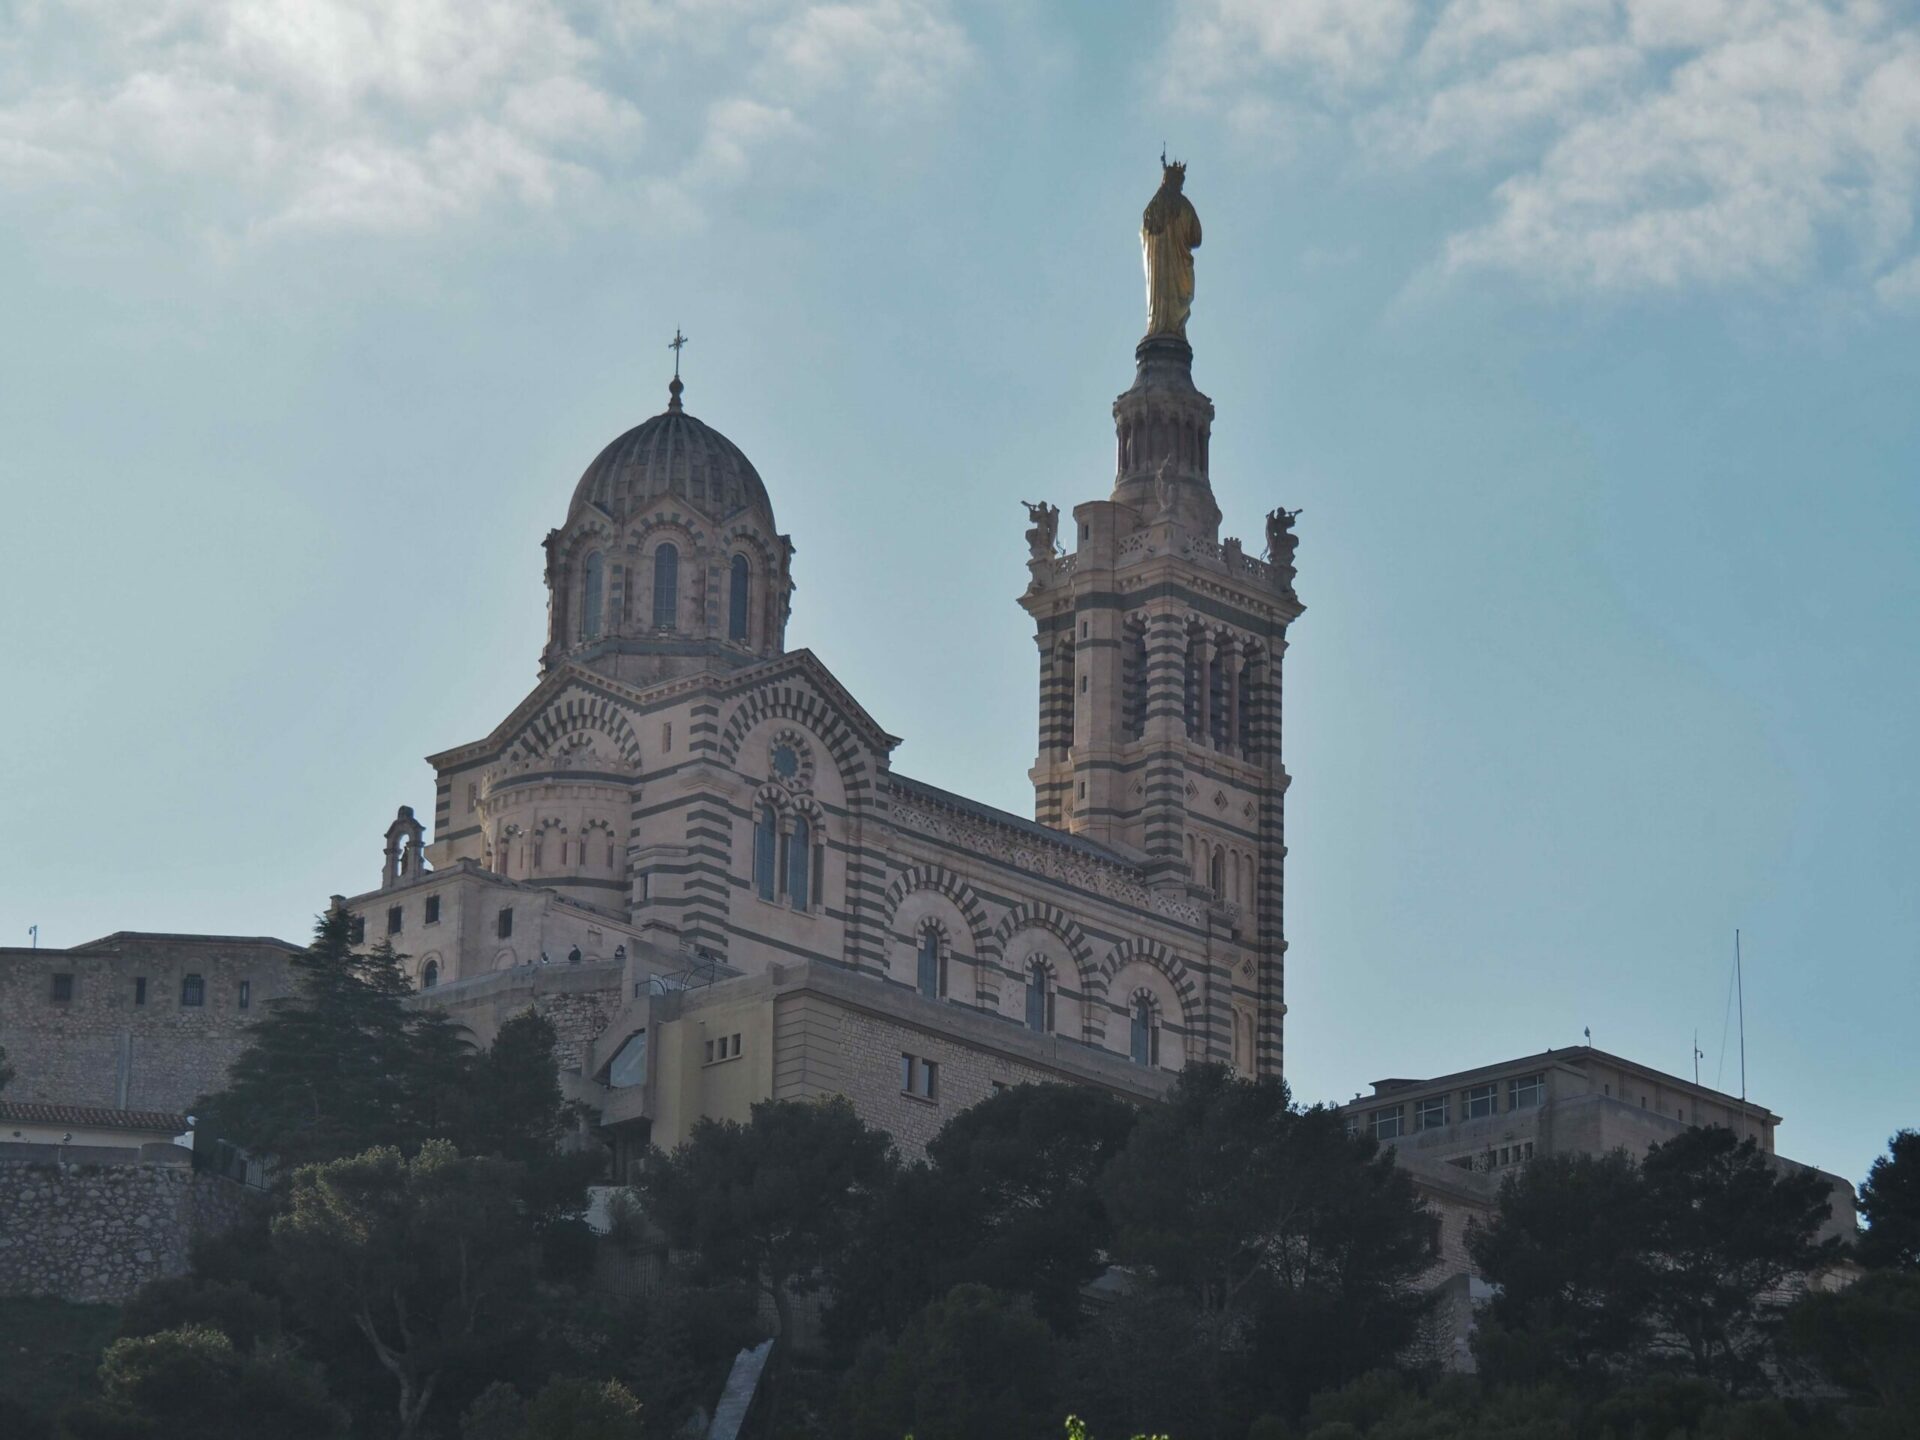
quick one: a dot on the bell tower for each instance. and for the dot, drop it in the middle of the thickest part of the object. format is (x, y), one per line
(1160, 661)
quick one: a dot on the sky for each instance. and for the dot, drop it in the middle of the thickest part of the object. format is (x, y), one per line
(1585, 334)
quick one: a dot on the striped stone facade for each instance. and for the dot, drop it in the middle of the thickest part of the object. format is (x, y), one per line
(681, 785)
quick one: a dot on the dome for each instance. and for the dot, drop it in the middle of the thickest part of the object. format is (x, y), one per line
(672, 454)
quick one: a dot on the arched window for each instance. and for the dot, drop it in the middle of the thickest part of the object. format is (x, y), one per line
(666, 587)
(1217, 875)
(930, 977)
(1192, 681)
(1146, 1033)
(1133, 679)
(430, 975)
(799, 857)
(737, 593)
(763, 852)
(1219, 722)
(590, 598)
(1249, 687)
(1039, 998)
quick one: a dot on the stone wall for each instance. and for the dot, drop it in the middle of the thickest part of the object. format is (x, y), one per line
(840, 1034)
(577, 1000)
(98, 1230)
(117, 1043)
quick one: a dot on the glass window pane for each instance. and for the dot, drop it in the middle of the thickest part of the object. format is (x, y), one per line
(629, 1066)
(737, 586)
(590, 600)
(929, 976)
(763, 852)
(666, 587)
(799, 855)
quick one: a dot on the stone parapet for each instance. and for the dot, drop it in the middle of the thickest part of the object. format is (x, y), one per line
(96, 1230)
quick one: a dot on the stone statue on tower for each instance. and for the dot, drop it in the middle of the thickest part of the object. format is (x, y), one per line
(1169, 234)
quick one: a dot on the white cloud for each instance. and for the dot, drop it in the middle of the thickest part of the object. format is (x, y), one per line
(1901, 285)
(1626, 144)
(397, 115)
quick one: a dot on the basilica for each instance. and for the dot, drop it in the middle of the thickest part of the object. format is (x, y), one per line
(687, 848)
(688, 842)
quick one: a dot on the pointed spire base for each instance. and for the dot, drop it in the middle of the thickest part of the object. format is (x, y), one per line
(1163, 426)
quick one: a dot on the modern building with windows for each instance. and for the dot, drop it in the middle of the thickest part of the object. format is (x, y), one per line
(690, 817)
(1459, 1136)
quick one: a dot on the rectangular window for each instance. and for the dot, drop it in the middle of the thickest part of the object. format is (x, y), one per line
(393, 920)
(1482, 1100)
(920, 1078)
(246, 994)
(139, 989)
(433, 910)
(1385, 1124)
(503, 924)
(709, 1052)
(62, 989)
(473, 795)
(1526, 1091)
(357, 930)
(193, 991)
(666, 735)
(1431, 1113)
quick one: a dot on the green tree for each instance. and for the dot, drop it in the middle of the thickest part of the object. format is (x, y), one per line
(974, 1363)
(1300, 1245)
(192, 1384)
(1563, 1251)
(241, 1313)
(497, 1413)
(330, 1069)
(584, 1410)
(1726, 1226)
(1022, 1168)
(1890, 1204)
(775, 1203)
(1147, 1360)
(1604, 1266)
(567, 1409)
(1866, 1338)
(430, 1260)
(1009, 1199)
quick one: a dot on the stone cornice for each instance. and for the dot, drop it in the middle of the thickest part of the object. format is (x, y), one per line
(1060, 860)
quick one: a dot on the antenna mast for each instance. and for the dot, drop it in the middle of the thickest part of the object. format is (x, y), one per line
(1740, 987)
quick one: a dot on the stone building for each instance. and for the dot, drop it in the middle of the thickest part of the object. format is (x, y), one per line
(134, 1021)
(1460, 1135)
(707, 828)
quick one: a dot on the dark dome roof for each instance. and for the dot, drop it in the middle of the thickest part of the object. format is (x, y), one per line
(671, 454)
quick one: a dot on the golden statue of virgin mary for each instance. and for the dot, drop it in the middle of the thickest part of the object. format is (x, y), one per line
(1169, 234)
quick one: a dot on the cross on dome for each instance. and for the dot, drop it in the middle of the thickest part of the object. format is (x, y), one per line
(677, 344)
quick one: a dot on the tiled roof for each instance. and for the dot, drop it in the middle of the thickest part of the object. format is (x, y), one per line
(1008, 819)
(124, 937)
(97, 1117)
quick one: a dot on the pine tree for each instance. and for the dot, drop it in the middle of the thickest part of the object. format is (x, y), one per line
(340, 1064)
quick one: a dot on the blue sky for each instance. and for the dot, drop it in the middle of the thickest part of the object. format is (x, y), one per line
(1585, 335)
